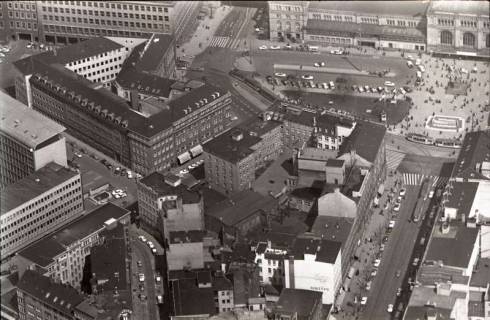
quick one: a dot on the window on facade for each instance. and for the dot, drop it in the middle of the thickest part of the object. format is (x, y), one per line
(446, 37)
(469, 39)
(488, 41)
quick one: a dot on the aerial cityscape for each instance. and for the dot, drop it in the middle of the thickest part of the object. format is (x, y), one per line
(238, 160)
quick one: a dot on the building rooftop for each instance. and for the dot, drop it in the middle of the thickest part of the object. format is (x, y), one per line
(58, 296)
(44, 251)
(148, 55)
(131, 79)
(431, 273)
(298, 301)
(424, 296)
(459, 238)
(332, 228)
(348, 29)
(317, 154)
(116, 108)
(246, 283)
(481, 274)
(461, 196)
(156, 182)
(34, 185)
(191, 236)
(481, 203)
(335, 163)
(306, 193)
(237, 144)
(108, 260)
(366, 140)
(241, 206)
(378, 8)
(326, 251)
(474, 152)
(422, 312)
(189, 299)
(24, 124)
(472, 8)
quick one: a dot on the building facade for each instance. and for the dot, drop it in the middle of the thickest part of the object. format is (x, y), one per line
(28, 141)
(19, 20)
(461, 28)
(270, 260)
(61, 255)
(167, 208)
(185, 250)
(314, 265)
(50, 198)
(232, 159)
(287, 19)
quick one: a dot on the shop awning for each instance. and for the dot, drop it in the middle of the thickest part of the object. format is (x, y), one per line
(184, 157)
(197, 150)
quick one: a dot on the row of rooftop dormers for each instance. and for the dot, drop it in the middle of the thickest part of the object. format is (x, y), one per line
(201, 103)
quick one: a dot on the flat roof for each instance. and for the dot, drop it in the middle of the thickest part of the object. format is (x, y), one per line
(24, 124)
(366, 140)
(190, 236)
(156, 182)
(460, 239)
(333, 228)
(481, 203)
(298, 301)
(58, 296)
(475, 150)
(481, 274)
(420, 313)
(43, 251)
(241, 206)
(189, 299)
(421, 296)
(325, 250)
(226, 147)
(335, 163)
(476, 8)
(378, 8)
(461, 196)
(316, 154)
(34, 185)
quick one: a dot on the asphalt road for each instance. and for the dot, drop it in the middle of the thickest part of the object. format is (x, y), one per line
(401, 241)
(426, 165)
(395, 141)
(142, 253)
(231, 25)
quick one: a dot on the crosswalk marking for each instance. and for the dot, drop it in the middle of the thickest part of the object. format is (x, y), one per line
(219, 42)
(393, 159)
(416, 179)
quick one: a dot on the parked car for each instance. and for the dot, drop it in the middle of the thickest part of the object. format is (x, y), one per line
(392, 224)
(263, 47)
(376, 263)
(364, 300)
(275, 47)
(142, 238)
(403, 192)
(389, 84)
(396, 208)
(159, 299)
(280, 74)
(415, 262)
(307, 77)
(141, 277)
(390, 308)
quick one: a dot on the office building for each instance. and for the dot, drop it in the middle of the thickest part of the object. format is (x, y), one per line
(61, 255)
(167, 207)
(314, 264)
(19, 20)
(28, 141)
(459, 28)
(146, 139)
(37, 205)
(41, 298)
(232, 159)
(298, 304)
(72, 21)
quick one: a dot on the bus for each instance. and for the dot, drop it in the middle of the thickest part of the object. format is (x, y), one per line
(448, 143)
(415, 137)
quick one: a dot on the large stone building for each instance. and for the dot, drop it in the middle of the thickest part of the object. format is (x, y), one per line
(37, 205)
(72, 21)
(145, 135)
(232, 159)
(28, 141)
(461, 27)
(287, 19)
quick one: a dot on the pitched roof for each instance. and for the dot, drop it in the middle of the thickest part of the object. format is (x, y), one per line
(131, 79)
(378, 8)
(189, 299)
(148, 55)
(34, 185)
(24, 124)
(366, 140)
(336, 204)
(58, 296)
(325, 250)
(333, 228)
(459, 7)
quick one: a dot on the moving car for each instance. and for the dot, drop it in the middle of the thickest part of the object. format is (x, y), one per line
(403, 192)
(319, 64)
(150, 244)
(390, 308)
(139, 263)
(399, 292)
(368, 285)
(396, 208)
(389, 84)
(392, 224)
(431, 194)
(364, 300)
(275, 47)
(415, 262)
(263, 47)
(376, 263)
(159, 299)
(142, 238)
(331, 85)
(280, 74)
(141, 277)
(307, 77)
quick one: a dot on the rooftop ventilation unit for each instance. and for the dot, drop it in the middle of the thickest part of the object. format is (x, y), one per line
(125, 124)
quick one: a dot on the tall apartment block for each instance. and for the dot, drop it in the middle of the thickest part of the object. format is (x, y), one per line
(28, 141)
(72, 21)
(37, 205)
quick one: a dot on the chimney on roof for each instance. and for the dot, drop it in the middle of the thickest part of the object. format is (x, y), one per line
(135, 100)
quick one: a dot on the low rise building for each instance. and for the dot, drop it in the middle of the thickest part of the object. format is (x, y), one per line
(169, 207)
(37, 205)
(28, 141)
(185, 250)
(314, 264)
(61, 255)
(298, 304)
(232, 159)
(269, 257)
